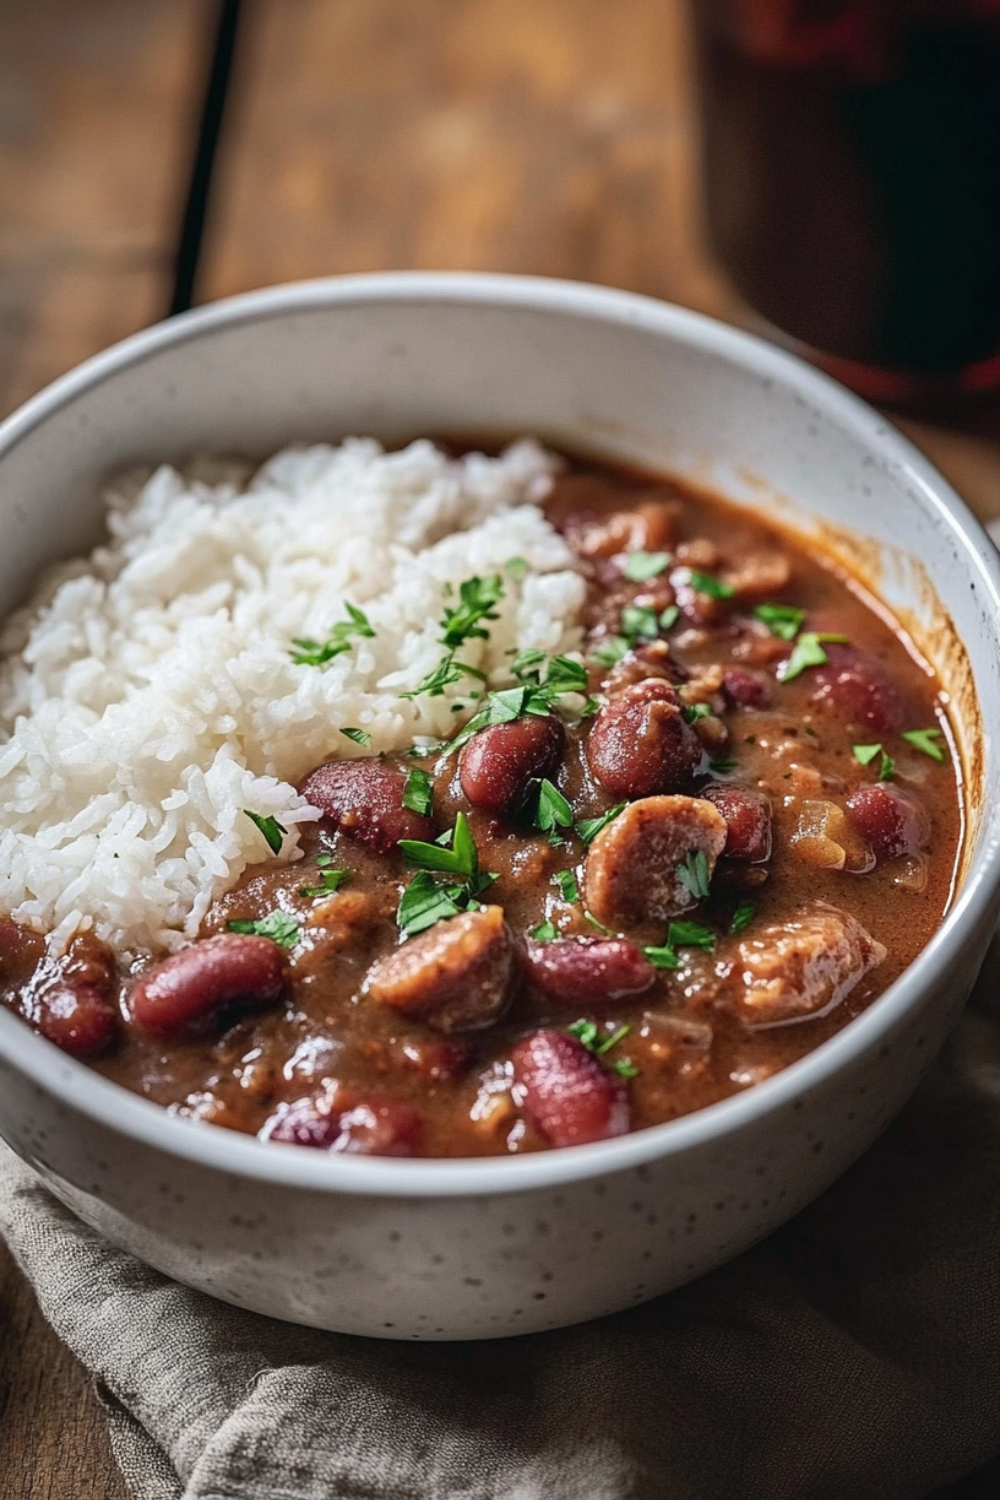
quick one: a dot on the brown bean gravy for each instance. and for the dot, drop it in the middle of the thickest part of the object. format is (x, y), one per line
(632, 890)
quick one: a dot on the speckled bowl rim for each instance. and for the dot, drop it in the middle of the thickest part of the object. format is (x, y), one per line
(244, 1156)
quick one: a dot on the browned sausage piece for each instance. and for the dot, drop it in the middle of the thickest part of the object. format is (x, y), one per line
(748, 821)
(498, 764)
(805, 966)
(364, 799)
(577, 971)
(639, 744)
(183, 995)
(631, 876)
(457, 977)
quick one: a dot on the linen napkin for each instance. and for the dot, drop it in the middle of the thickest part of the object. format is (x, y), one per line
(855, 1355)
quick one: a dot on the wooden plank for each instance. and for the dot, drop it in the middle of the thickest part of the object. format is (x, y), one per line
(543, 136)
(95, 127)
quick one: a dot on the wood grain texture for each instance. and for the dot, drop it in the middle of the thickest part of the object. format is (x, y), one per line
(96, 106)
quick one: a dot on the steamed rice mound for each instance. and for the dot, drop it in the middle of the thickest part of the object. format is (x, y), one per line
(148, 695)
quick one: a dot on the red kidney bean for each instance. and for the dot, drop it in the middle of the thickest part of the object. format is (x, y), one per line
(458, 976)
(80, 1019)
(892, 821)
(498, 764)
(184, 994)
(639, 744)
(744, 689)
(364, 799)
(576, 971)
(630, 877)
(565, 1092)
(748, 821)
(858, 688)
(372, 1126)
(434, 1058)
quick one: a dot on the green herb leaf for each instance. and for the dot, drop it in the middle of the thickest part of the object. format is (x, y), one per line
(669, 617)
(516, 567)
(612, 1041)
(694, 874)
(642, 566)
(589, 916)
(527, 664)
(690, 935)
(610, 651)
(585, 1032)
(478, 596)
(695, 711)
(589, 1034)
(272, 830)
(662, 958)
(418, 793)
(927, 742)
(887, 768)
(865, 754)
(425, 902)
(565, 676)
(807, 652)
(639, 623)
(723, 765)
(309, 653)
(359, 736)
(277, 925)
(324, 860)
(545, 932)
(332, 880)
(715, 588)
(783, 620)
(444, 674)
(624, 1068)
(568, 888)
(551, 811)
(588, 828)
(743, 916)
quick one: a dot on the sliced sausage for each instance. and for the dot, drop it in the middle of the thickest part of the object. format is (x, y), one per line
(565, 1093)
(364, 799)
(804, 967)
(748, 821)
(183, 995)
(639, 744)
(631, 875)
(892, 820)
(575, 971)
(458, 976)
(858, 688)
(499, 763)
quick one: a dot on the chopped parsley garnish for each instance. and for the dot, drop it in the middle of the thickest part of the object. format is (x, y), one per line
(693, 873)
(551, 810)
(669, 617)
(426, 901)
(865, 754)
(568, 888)
(640, 566)
(808, 652)
(545, 932)
(589, 1035)
(723, 765)
(610, 651)
(277, 925)
(588, 828)
(532, 697)
(324, 861)
(639, 623)
(478, 596)
(927, 741)
(662, 958)
(309, 653)
(743, 916)
(516, 567)
(680, 935)
(695, 711)
(715, 588)
(527, 664)
(359, 736)
(272, 830)
(564, 676)
(331, 880)
(418, 793)
(783, 620)
(447, 671)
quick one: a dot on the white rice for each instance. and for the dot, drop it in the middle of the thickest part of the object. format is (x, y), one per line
(147, 694)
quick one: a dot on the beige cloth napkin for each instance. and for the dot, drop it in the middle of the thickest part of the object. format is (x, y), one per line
(853, 1356)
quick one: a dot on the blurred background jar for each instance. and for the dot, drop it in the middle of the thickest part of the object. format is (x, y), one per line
(852, 185)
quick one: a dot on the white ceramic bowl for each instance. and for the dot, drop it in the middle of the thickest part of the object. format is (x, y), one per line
(462, 1249)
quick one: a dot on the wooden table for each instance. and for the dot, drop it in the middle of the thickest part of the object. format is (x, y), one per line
(545, 136)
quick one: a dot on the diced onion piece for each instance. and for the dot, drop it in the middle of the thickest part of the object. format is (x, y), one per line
(825, 839)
